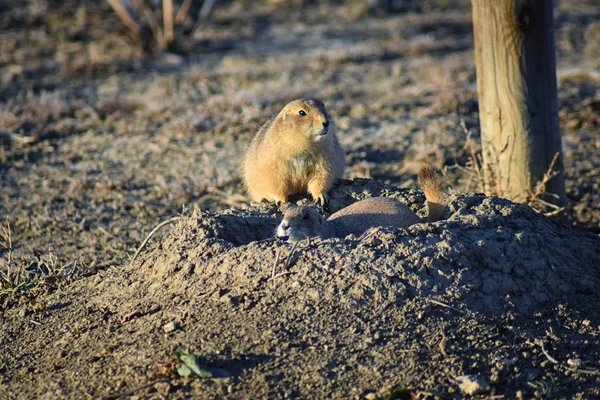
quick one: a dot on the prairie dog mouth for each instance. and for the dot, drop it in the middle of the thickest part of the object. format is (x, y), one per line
(320, 134)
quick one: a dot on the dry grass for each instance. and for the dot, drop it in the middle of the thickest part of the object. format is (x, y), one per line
(537, 195)
(7, 278)
(474, 166)
(18, 275)
(474, 169)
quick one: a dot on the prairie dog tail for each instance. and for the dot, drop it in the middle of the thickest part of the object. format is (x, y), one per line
(434, 193)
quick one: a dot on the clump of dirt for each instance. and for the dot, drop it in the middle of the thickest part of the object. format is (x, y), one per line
(483, 293)
(489, 255)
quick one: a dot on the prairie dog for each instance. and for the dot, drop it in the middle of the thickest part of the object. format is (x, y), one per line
(301, 222)
(295, 152)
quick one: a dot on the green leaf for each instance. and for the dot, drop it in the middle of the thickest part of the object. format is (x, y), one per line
(183, 370)
(192, 362)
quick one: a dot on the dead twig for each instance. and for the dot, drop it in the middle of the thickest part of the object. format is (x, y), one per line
(168, 20)
(282, 274)
(535, 196)
(442, 304)
(548, 356)
(277, 253)
(161, 19)
(204, 14)
(288, 261)
(586, 371)
(139, 249)
(153, 22)
(475, 164)
(125, 17)
(15, 137)
(183, 11)
(8, 239)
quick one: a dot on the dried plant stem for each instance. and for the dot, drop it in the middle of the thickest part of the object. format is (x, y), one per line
(168, 20)
(540, 187)
(183, 11)
(548, 356)
(204, 14)
(277, 254)
(123, 14)
(137, 252)
(475, 161)
(535, 197)
(288, 261)
(152, 21)
(15, 137)
(7, 233)
(160, 18)
(442, 304)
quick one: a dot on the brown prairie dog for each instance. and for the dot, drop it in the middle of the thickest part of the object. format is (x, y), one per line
(302, 222)
(294, 152)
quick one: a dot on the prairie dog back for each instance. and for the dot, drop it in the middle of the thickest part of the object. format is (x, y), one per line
(301, 222)
(375, 211)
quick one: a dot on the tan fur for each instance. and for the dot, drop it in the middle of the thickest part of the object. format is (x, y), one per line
(301, 222)
(294, 154)
(434, 193)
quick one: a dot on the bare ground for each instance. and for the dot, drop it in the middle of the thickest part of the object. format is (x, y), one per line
(124, 141)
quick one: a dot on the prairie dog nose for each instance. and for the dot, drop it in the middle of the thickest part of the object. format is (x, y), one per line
(285, 224)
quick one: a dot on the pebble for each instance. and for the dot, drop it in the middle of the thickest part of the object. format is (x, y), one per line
(574, 362)
(470, 384)
(313, 293)
(170, 327)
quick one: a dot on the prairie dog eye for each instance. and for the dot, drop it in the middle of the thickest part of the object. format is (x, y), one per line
(306, 216)
(302, 113)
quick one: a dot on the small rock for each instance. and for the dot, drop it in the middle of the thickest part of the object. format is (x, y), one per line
(574, 362)
(170, 327)
(371, 396)
(23, 312)
(313, 293)
(470, 384)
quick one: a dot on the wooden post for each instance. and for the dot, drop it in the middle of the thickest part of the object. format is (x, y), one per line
(516, 85)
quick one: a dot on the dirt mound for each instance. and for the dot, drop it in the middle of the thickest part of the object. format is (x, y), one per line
(457, 306)
(489, 255)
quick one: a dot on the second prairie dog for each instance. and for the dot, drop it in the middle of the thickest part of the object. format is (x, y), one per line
(295, 152)
(302, 222)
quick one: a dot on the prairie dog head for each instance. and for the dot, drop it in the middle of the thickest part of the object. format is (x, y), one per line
(307, 118)
(300, 223)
